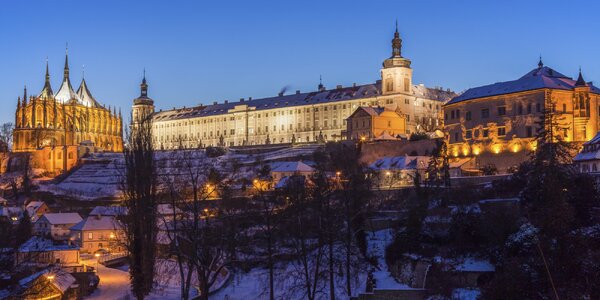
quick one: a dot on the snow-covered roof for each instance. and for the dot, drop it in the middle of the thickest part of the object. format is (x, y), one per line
(400, 163)
(33, 206)
(86, 96)
(591, 150)
(97, 223)
(295, 166)
(41, 244)
(475, 265)
(167, 209)
(61, 218)
(385, 136)
(109, 211)
(66, 93)
(61, 279)
(11, 211)
(301, 99)
(538, 78)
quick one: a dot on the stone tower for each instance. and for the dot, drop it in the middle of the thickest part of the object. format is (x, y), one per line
(396, 75)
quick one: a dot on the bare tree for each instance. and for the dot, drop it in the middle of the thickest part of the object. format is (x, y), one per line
(139, 185)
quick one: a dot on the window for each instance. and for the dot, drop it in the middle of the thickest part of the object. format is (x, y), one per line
(501, 131)
(520, 109)
(457, 113)
(564, 107)
(406, 101)
(452, 115)
(468, 116)
(406, 85)
(486, 133)
(456, 136)
(528, 108)
(501, 110)
(90, 235)
(538, 107)
(529, 131)
(485, 113)
(446, 116)
(389, 123)
(469, 134)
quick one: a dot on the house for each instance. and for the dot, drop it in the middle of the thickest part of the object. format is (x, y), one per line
(36, 209)
(56, 225)
(588, 160)
(12, 214)
(52, 283)
(165, 211)
(40, 252)
(98, 233)
(287, 169)
(398, 171)
(369, 123)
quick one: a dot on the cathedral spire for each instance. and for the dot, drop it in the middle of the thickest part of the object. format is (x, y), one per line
(47, 90)
(540, 64)
(396, 43)
(66, 62)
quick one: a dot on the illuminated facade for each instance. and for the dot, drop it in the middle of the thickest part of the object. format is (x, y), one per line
(502, 117)
(58, 128)
(368, 123)
(300, 117)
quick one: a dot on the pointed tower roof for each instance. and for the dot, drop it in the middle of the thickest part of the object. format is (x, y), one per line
(143, 99)
(396, 60)
(46, 92)
(85, 95)
(580, 81)
(540, 63)
(65, 92)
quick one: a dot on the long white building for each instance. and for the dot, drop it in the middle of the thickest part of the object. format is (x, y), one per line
(300, 117)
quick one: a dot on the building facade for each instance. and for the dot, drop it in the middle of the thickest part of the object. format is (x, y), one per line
(58, 128)
(368, 123)
(502, 117)
(299, 117)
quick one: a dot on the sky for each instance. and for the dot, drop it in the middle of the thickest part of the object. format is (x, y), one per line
(203, 51)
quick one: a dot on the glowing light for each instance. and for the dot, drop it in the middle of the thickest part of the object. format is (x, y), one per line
(112, 235)
(362, 138)
(97, 255)
(496, 148)
(255, 181)
(50, 277)
(338, 173)
(515, 148)
(476, 150)
(388, 173)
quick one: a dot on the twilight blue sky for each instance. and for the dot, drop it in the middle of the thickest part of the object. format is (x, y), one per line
(201, 51)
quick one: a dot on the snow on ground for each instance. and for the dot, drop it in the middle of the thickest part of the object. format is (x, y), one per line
(114, 283)
(465, 294)
(376, 243)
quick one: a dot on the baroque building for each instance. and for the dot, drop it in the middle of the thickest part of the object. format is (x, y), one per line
(315, 116)
(501, 117)
(59, 128)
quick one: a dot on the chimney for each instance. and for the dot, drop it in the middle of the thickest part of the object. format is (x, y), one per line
(226, 101)
(241, 99)
(249, 98)
(297, 92)
(280, 94)
(214, 102)
(339, 87)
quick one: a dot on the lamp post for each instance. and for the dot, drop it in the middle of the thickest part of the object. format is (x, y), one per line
(97, 255)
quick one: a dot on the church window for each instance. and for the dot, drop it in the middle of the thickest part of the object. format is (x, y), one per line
(485, 113)
(501, 131)
(501, 110)
(529, 131)
(406, 85)
(389, 85)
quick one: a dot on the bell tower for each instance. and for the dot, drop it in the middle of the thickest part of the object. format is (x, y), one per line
(143, 106)
(396, 75)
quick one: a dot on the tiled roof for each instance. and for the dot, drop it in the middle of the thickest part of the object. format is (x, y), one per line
(300, 99)
(97, 223)
(537, 78)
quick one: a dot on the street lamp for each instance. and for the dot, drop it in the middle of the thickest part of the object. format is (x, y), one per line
(97, 255)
